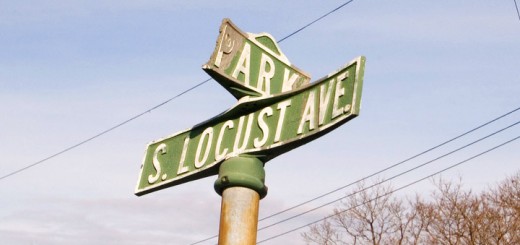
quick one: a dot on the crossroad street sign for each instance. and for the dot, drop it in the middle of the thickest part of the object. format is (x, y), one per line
(249, 64)
(261, 126)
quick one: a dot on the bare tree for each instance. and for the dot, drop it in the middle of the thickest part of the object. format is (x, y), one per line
(452, 216)
(504, 215)
(324, 234)
(456, 216)
(368, 216)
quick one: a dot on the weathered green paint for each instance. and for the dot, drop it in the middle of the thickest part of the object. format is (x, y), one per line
(244, 171)
(249, 64)
(264, 127)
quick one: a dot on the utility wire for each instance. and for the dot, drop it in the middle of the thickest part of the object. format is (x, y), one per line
(151, 109)
(281, 40)
(392, 166)
(102, 133)
(398, 189)
(383, 170)
(391, 178)
(316, 20)
(517, 12)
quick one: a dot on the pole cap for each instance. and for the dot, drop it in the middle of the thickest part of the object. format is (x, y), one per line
(243, 171)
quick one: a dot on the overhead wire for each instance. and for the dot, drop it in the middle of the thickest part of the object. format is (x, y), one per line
(323, 195)
(391, 166)
(281, 40)
(316, 20)
(393, 177)
(393, 191)
(152, 108)
(517, 12)
(384, 170)
(102, 133)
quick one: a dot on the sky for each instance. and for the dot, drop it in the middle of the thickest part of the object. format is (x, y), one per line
(70, 70)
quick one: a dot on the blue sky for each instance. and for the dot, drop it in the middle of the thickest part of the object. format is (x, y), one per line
(71, 69)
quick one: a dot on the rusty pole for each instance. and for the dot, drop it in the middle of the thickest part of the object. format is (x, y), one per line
(241, 184)
(238, 216)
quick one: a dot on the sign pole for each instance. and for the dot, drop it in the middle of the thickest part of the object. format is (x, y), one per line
(241, 185)
(278, 109)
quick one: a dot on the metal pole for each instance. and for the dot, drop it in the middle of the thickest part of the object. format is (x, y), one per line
(241, 184)
(238, 216)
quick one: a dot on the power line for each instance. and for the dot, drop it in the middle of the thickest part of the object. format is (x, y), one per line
(393, 177)
(151, 109)
(102, 133)
(316, 20)
(517, 12)
(281, 40)
(392, 166)
(385, 169)
(398, 189)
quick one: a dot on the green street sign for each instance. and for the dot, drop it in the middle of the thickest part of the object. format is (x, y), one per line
(249, 64)
(264, 126)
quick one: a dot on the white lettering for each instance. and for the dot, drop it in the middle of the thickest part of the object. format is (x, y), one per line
(282, 106)
(324, 100)
(265, 76)
(308, 113)
(288, 82)
(183, 169)
(244, 62)
(225, 40)
(340, 91)
(156, 164)
(208, 133)
(263, 126)
(238, 148)
(219, 155)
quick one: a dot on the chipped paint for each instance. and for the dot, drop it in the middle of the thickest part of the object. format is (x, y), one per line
(276, 123)
(248, 64)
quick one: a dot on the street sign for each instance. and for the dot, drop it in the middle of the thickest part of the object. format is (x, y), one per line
(249, 64)
(264, 126)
